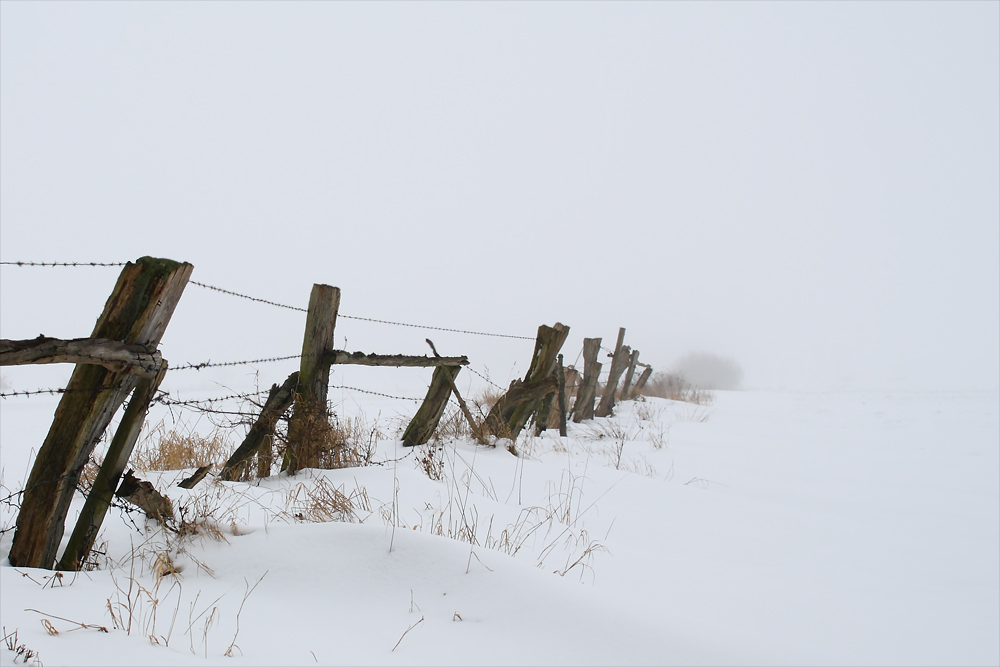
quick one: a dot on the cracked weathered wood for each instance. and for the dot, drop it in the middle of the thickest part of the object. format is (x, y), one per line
(88, 525)
(278, 402)
(136, 313)
(112, 354)
(421, 427)
(397, 360)
(509, 415)
(310, 411)
(586, 393)
(193, 481)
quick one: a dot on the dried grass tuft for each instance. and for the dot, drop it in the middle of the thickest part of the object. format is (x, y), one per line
(174, 449)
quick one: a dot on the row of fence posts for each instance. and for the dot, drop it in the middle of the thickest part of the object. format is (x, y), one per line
(121, 358)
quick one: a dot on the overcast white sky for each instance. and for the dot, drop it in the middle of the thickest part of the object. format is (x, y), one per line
(810, 188)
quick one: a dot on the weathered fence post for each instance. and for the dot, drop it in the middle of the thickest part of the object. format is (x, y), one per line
(103, 490)
(561, 376)
(136, 313)
(618, 362)
(422, 426)
(279, 399)
(642, 381)
(586, 393)
(633, 360)
(309, 416)
(509, 415)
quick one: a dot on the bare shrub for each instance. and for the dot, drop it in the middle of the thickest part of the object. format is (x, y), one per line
(431, 461)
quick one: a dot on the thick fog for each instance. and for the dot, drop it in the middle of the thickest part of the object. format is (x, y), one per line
(811, 190)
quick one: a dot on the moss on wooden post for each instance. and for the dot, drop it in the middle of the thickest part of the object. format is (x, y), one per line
(136, 313)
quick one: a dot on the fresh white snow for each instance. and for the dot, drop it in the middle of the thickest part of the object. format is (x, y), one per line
(765, 528)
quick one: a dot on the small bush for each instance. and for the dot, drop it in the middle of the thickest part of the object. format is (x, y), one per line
(675, 388)
(176, 450)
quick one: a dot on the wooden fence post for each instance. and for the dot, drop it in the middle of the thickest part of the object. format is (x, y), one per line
(278, 401)
(618, 362)
(633, 360)
(422, 426)
(509, 415)
(642, 381)
(561, 376)
(309, 416)
(586, 392)
(136, 313)
(103, 490)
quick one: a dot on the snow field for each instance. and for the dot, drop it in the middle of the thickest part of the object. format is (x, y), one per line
(775, 528)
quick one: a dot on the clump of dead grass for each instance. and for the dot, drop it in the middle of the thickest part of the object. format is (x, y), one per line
(330, 442)
(180, 448)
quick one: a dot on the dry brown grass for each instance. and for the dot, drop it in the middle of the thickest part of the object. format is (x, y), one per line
(321, 502)
(174, 449)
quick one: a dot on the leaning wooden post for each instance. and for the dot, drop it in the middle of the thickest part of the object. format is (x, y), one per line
(278, 401)
(137, 313)
(309, 416)
(99, 499)
(509, 415)
(586, 392)
(422, 426)
(637, 389)
(561, 376)
(633, 360)
(618, 362)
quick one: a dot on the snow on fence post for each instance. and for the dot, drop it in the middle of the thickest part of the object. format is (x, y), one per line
(586, 393)
(136, 313)
(309, 416)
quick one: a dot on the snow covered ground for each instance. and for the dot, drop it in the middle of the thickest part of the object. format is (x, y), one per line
(765, 528)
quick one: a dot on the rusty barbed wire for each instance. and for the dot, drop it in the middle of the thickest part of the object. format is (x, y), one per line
(356, 317)
(375, 393)
(219, 364)
(61, 390)
(64, 263)
(485, 378)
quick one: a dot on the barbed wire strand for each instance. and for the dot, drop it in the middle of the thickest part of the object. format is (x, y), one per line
(356, 317)
(64, 263)
(219, 364)
(282, 305)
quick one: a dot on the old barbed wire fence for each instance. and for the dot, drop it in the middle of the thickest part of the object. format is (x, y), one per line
(120, 359)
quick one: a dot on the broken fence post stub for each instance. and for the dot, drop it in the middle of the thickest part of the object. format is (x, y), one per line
(136, 313)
